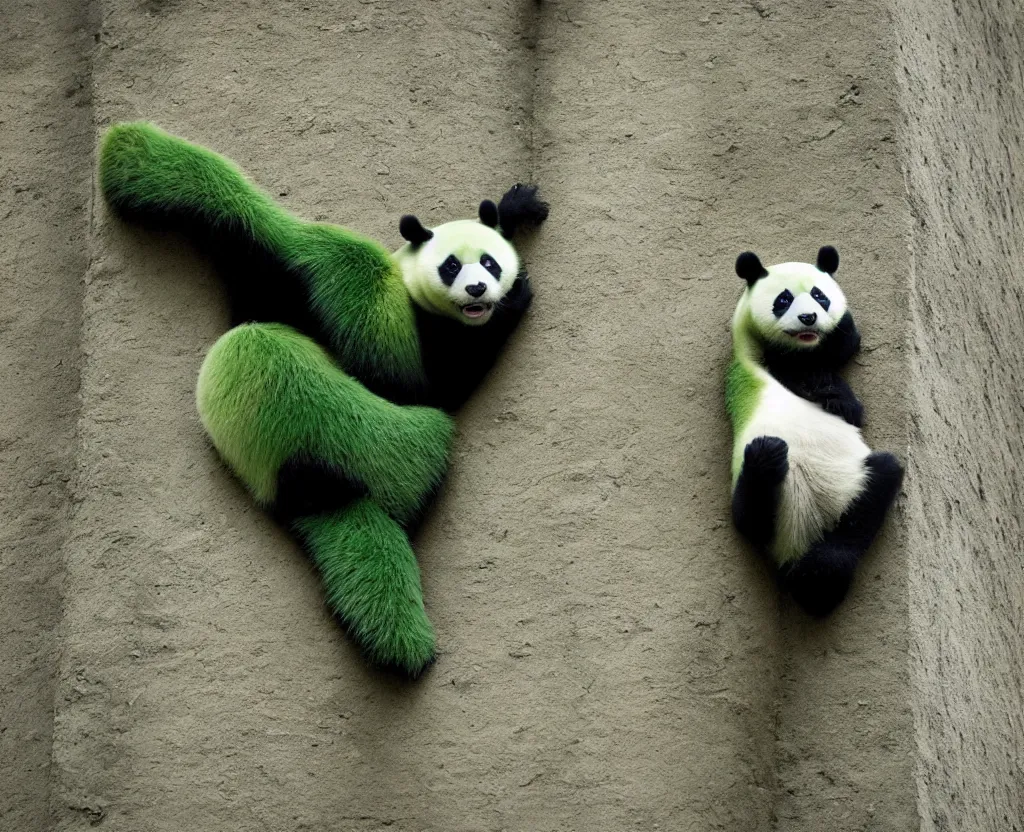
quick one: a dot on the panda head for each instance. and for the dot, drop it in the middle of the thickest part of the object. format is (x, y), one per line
(793, 305)
(463, 269)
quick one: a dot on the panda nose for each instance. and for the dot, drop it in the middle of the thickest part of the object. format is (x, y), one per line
(476, 289)
(808, 318)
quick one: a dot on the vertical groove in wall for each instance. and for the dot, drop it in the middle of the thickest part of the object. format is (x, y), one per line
(45, 136)
(74, 806)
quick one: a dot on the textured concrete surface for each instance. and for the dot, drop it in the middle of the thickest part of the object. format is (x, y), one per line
(963, 91)
(46, 140)
(612, 656)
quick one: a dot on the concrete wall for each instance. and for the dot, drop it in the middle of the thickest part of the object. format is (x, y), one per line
(963, 94)
(612, 656)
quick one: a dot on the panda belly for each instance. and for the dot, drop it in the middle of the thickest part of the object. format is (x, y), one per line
(826, 467)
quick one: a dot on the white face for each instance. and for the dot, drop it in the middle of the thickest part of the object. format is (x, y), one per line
(463, 271)
(796, 305)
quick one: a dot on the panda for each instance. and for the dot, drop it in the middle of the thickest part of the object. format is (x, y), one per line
(806, 488)
(330, 397)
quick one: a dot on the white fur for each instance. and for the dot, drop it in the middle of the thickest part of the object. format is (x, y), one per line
(826, 466)
(470, 275)
(799, 278)
(468, 240)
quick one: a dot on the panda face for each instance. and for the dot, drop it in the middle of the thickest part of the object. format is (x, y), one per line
(462, 270)
(793, 305)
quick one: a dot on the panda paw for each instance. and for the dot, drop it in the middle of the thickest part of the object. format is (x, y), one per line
(850, 411)
(766, 459)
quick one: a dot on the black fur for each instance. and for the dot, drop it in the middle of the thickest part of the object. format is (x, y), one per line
(755, 499)
(489, 214)
(449, 269)
(456, 356)
(828, 259)
(520, 208)
(748, 266)
(412, 230)
(813, 374)
(307, 485)
(820, 579)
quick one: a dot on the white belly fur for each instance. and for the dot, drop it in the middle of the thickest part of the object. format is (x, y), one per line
(826, 467)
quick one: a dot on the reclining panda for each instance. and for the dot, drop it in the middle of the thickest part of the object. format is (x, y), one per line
(806, 487)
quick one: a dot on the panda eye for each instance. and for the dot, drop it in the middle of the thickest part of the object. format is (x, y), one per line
(782, 303)
(449, 269)
(491, 265)
(821, 298)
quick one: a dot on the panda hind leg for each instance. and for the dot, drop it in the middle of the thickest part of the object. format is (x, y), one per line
(863, 520)
(372, 582)
(755, 499)
(820, 579)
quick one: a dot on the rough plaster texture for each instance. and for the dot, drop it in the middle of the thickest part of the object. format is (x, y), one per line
(612, 656)
(46, 136)
(962, 75)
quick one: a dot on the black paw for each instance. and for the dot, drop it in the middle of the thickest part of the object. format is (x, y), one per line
(766, 459)
(519, 208)
(851, 412)
(520, 295)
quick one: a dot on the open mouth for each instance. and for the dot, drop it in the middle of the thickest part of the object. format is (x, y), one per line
(476, 310)
(805, 336)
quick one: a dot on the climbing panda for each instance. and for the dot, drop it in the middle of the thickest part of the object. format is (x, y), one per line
(806, 487)
(330, 395)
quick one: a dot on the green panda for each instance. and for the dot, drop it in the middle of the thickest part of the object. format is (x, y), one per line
(806, 487)
(330, 396)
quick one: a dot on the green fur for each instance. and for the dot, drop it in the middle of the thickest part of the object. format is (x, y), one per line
(266, 392)
(743, 385)
(355, 283)
(372, 583)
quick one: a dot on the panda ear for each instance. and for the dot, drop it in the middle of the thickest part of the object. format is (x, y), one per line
(749, 268)
(489, 214)
(412, 230)
(828, 259)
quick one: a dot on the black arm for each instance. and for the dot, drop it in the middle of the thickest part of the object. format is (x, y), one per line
(840, 345)
(814, 374)
(825, 388)
(457, 356)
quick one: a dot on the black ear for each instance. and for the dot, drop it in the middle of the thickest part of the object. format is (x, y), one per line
(828, 259)
(413, 231)
(749, 268)
(520, 208)
(489, 213)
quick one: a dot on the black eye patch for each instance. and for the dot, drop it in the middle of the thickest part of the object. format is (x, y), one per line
(821, 298)
(491, 265)
(782, 303)
(449, 269)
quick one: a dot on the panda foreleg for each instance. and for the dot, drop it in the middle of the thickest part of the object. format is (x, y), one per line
(820, 579)
(831, 391)
(755, 499)
(456, 357)
(842, 344)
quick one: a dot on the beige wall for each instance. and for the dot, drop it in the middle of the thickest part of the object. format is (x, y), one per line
(612, 656)
(962, 76)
